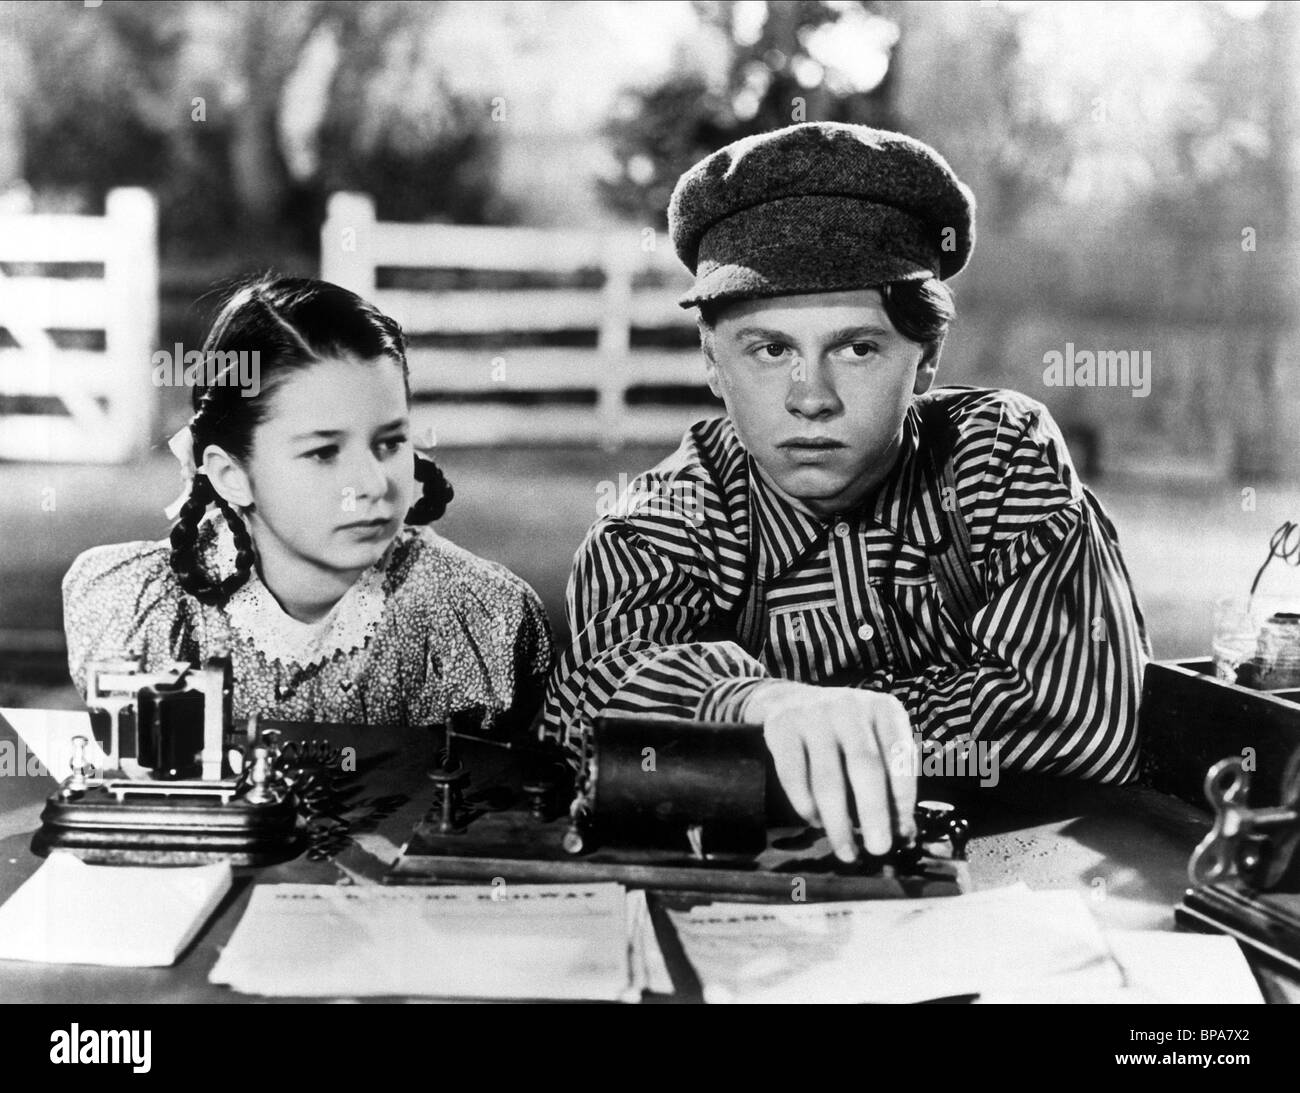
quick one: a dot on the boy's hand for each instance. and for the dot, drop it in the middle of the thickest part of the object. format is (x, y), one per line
(829, 741)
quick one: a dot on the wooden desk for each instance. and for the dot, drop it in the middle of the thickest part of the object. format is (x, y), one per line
(1126, 848)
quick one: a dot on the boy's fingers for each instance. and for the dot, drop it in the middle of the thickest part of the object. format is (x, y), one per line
(893, 731)
(826, 769)
(791, 762)
(867, 776)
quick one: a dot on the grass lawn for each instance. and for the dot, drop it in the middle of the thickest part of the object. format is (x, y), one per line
(528, 508)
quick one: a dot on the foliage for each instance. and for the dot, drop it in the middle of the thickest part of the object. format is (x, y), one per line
(199, 102)
(1111, 147)
(766, 74)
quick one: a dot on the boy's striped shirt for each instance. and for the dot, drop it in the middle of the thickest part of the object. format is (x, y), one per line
(1050, 664)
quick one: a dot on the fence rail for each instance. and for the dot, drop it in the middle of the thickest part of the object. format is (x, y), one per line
(494, 363)
(78, 324)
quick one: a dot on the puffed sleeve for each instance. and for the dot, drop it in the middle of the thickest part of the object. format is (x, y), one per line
(488, 643)
(533, 650)
(123, 599)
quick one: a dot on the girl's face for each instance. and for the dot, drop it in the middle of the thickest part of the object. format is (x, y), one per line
(331, 473)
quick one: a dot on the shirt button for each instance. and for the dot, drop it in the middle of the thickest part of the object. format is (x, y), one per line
(866, 632)
(841, 529)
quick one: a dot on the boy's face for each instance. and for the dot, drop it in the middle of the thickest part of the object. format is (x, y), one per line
(817, 386)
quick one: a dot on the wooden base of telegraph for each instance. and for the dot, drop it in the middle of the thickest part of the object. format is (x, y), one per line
(155, 728)
(495, 817)
(168, 823)
(517, 848)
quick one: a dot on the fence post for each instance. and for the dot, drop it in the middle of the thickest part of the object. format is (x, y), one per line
(347, 243)
(131, 334)
(614, 340)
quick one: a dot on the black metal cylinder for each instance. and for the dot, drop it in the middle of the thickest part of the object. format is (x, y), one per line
(169, 732)
(655, 779)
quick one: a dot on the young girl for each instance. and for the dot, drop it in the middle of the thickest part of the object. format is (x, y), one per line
(297, 550)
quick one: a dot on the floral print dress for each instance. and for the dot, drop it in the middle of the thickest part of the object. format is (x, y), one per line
(428, 632)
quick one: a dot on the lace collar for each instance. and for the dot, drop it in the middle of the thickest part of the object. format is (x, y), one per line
(255, 614)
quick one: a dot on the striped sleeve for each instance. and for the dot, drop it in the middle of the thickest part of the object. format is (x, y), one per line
(1061, 641)
(636, 617)
(644, 598)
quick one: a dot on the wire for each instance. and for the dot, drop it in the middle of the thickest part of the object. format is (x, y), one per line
(1285, 546)
(310, 769)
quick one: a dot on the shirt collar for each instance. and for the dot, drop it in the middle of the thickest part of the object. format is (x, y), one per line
(902, 503)
(785, 533)
(906, 502)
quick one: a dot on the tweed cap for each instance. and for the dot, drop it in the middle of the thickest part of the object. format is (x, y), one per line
(819, 207)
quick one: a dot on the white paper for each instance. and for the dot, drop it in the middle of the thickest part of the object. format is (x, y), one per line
(896, 950)
(68, 912)
(47, 735)
(649, 969)
(1159, 968)
(1174, 967)
(552, 941)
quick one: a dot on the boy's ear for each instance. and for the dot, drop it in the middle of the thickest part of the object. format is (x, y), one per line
(228, 478)
(927, 367)
(711, 376)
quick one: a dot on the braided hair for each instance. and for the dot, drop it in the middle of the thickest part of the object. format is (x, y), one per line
(435, 492)
(291, 323)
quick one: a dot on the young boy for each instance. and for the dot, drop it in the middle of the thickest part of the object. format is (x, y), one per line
(851, 557)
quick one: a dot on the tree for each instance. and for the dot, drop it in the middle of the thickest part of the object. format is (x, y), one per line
(197, 102)
(781, 63)
(394, 127)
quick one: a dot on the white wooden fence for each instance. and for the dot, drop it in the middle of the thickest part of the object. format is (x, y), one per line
(521, 335)
(78, 325)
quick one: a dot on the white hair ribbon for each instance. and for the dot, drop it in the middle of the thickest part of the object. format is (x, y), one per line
(182, 447)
